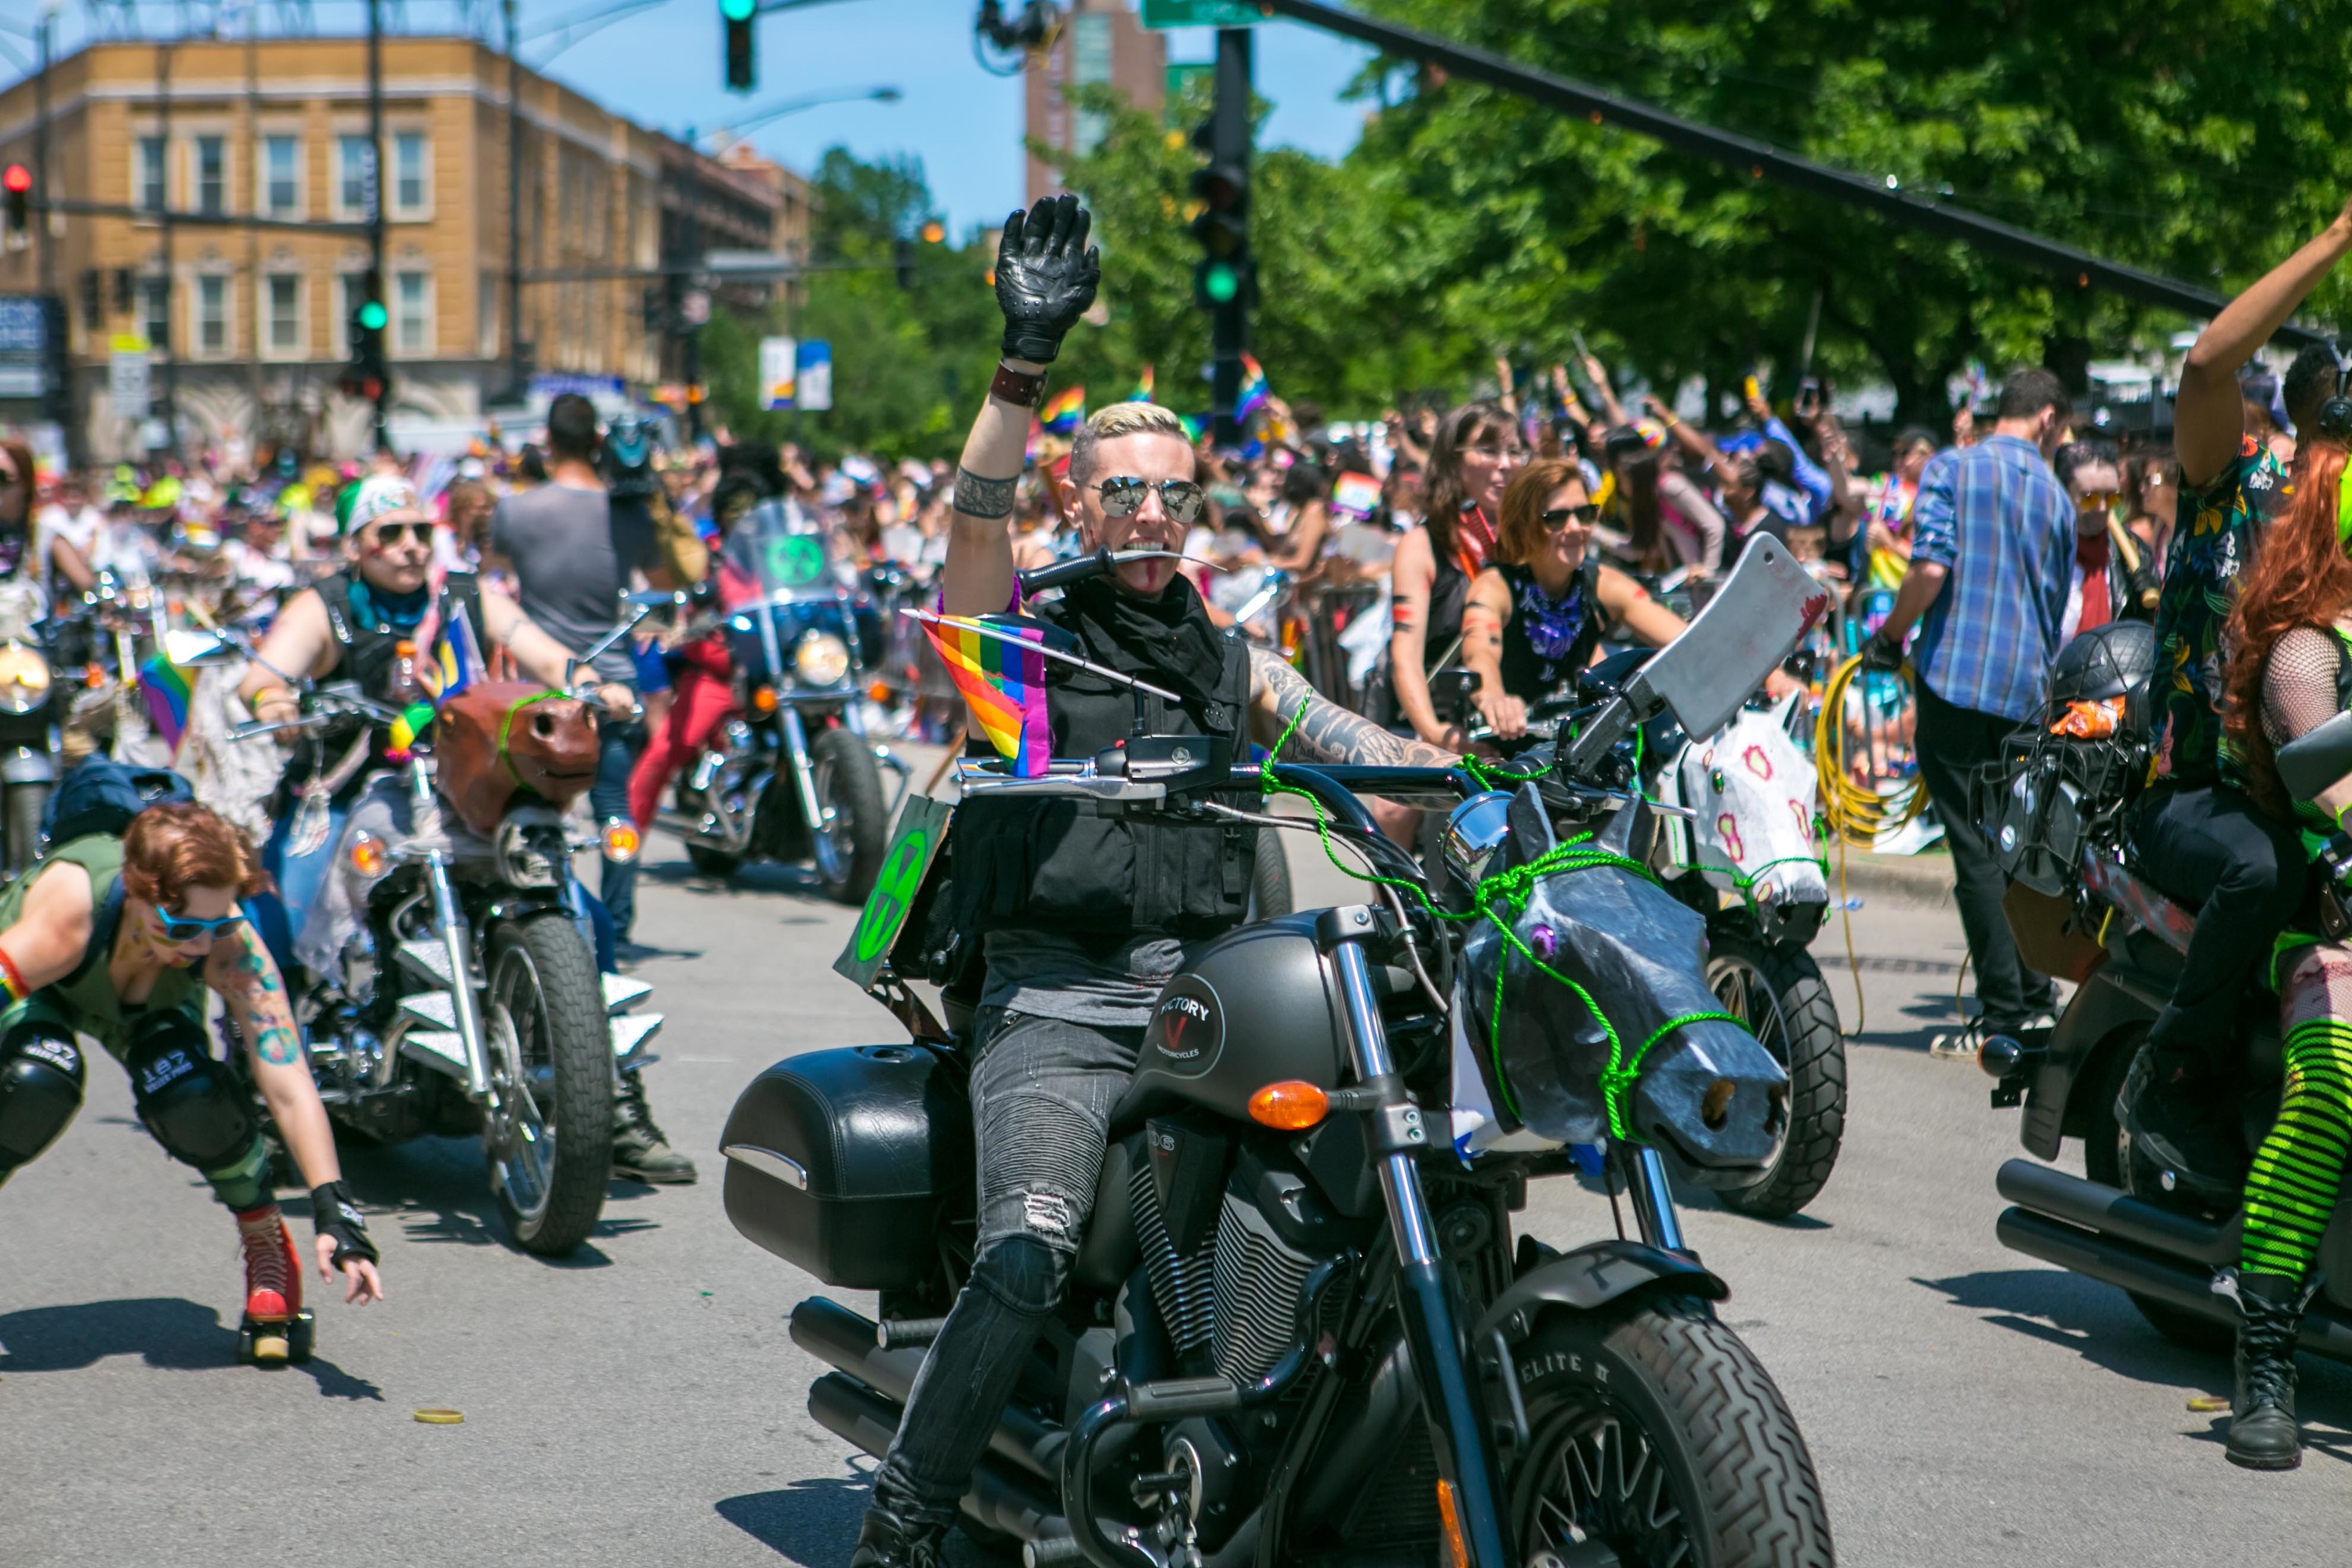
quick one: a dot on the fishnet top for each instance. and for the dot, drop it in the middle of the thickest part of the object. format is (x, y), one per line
(2299, 684)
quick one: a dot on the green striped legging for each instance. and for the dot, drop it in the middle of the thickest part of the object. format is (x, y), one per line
(2291, 1189)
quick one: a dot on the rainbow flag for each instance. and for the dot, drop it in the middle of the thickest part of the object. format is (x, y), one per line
(166, 687)
(1253, 390)
(457, 659)
(1064, 411)
(1003, 685)
(1195, 426)
(1142, 393)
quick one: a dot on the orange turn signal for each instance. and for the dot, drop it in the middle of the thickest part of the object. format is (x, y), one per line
(368, 856)
(879, 692)
(763, 701)
(1450, 1516)
(621, 841)
(1289, 1106)
(94, 676)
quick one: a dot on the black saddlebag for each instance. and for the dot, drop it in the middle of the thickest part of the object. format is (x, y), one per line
(842, 1162)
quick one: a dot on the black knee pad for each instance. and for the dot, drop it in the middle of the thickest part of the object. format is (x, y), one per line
(40, 1089)
(194, 1105)
(1023, 1273)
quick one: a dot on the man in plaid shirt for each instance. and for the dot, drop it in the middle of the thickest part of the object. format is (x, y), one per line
(1993, 556)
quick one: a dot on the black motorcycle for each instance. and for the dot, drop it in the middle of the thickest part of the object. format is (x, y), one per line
(789, 773)
(1301, 1328)
(28, 725)
(2080, 909)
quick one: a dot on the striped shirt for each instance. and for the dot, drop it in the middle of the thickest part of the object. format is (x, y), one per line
(1996, 518)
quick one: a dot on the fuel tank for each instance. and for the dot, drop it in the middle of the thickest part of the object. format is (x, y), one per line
(1255, 1006)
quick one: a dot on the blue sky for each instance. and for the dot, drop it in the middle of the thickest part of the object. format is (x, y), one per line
(662, 67)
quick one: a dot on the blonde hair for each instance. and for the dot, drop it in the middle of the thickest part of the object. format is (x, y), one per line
(1117, 420)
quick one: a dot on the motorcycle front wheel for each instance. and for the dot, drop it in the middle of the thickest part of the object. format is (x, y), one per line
(1658, 1437)
(1778, 992)
(549, 1133)
(848, 847)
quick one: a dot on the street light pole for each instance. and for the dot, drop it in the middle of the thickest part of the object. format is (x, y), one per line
(41, 147)
(171, 344)
(375, 187)
(514, 211)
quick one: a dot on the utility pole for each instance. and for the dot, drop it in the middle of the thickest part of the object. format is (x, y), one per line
(514, 211)
(1227, 277)
(376, 192)
(42, 37)
(168, 346)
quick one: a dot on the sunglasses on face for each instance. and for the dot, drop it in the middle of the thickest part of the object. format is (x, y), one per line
(1559, 516)
(1181, 500)
(388, 535)
(186, 927)
(2099, 500)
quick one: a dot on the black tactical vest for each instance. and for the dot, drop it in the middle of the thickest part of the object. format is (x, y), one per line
(369, 646)
(1061, 866)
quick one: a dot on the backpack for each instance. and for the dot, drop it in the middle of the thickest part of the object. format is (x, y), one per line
(99, 795)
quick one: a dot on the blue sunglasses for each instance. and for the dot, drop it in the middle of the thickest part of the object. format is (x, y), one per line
(186, 927)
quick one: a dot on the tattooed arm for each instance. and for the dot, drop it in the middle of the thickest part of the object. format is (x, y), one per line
(241, 970)
(1329, 733)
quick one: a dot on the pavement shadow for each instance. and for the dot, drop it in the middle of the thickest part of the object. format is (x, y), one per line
(811, 1521)
(435, 1189)
(168, 1332)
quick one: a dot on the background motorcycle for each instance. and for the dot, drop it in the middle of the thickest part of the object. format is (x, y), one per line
(1300, 1329)
(469, 1000)
(791, 775)
(28, 725)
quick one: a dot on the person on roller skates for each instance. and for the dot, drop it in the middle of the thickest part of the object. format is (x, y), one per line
(118, 937)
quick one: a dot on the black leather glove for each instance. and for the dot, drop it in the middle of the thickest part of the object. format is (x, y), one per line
(333, 1214)
(1045, 277)
(1882, 653)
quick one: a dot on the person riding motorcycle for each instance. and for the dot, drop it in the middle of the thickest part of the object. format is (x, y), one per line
(118, 936)
(1085, 917)
(354, 623)
(2194, 834)
(2291, 671)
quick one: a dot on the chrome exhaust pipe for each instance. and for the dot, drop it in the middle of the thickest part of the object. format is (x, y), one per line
(996, 1502)
(2167, 1279)
(844, 1340)
(2045, 1189)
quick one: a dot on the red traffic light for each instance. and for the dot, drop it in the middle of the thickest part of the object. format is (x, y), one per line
(16, 179)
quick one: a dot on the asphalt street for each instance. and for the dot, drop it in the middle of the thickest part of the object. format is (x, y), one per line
(641, 1403)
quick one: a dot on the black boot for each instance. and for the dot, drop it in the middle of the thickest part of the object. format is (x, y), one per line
(2178, 1117)
(2263, 1434)
(894, 1536)
(639, 1149)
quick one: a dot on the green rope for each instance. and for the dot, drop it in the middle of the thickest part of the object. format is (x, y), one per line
(1512, 890)
(506, 727)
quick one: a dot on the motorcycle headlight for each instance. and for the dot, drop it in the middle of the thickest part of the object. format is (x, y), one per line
(24, 680)
(822, 660)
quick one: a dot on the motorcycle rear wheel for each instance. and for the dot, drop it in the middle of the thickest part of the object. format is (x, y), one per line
(549, 1142)
(1778, 992)
(1656, 1432)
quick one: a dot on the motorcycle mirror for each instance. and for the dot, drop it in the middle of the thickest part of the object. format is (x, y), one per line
(2316, 759)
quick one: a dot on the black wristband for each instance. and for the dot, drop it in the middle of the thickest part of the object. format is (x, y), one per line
(1022, 388)
(334, 1215)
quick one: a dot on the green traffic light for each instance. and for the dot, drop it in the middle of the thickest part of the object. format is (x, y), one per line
(1221, 283)
(738, 10)
(371, 316)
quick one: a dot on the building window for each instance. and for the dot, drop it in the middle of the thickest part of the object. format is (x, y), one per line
(212, 175)
(412, 190)
(283, 313)
(354, 176)
(148, 175)
(212, 315)
(281, 194)
(412, 319)
(155, 313)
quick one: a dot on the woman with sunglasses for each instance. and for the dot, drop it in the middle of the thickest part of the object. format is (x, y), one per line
(119, 938)
(1537, 616)
(1476, 452)
(2114, 577)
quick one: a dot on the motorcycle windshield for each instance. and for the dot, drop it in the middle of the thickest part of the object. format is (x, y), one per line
(781, 550)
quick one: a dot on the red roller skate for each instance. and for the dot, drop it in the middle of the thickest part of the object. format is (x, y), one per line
(277, 1328)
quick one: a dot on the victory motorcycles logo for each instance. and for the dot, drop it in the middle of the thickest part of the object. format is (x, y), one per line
(1188, 1026)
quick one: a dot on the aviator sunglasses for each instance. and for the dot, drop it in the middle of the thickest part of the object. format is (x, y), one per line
(187, 927)
(390, 534)
(1558, 517)
(1123, 497)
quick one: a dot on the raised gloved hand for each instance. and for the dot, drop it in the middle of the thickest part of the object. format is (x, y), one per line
(1045, 277)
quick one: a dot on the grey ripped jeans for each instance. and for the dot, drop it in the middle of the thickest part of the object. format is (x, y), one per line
(1042, 1094)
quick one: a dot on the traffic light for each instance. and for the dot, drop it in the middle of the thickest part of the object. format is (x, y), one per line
(365, 374)
(743, 68)
(1225, 274)
(1224, 278)
(17, 181)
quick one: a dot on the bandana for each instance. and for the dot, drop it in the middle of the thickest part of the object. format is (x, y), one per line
(379, 494)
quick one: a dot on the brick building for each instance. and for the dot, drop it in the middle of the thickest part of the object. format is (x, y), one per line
(246, 324)
(1100, 41)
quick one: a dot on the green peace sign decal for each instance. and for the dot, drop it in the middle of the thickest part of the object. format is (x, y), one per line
(894, 894)
(796, 560)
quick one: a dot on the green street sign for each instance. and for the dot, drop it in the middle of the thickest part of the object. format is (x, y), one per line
(922, 829)
(1202, 14)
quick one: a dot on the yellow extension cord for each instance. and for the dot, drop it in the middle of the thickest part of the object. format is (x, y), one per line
(1857, 816)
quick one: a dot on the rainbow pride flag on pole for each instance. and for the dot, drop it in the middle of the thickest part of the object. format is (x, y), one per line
(1142, 393)
(1064, 411)
(1253, 390)
(166, 687)
(1003, 684)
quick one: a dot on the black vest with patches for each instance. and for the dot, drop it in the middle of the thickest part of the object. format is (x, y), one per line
(369, 646)
(1060, 866)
